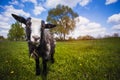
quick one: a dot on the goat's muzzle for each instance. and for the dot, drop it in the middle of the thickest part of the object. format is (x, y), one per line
(36, 38)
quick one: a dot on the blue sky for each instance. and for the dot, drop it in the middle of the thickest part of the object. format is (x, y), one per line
(96, 17)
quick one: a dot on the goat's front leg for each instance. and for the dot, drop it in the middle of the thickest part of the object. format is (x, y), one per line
(52, 54)
(44, 66)
(37, 66)
(52, 58)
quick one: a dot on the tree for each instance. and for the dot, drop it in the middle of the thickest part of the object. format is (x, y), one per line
(63, 17)
(86, 37)
(115, 35)
(2, 38)
(16, 32)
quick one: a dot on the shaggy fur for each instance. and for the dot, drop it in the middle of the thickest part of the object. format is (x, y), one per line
(46, 46)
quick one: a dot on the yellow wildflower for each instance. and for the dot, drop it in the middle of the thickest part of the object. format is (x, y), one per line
(12, 72)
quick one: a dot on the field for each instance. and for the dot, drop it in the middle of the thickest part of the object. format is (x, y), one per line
(74, 60)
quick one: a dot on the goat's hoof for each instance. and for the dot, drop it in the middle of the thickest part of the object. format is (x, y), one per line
(37, 73)
(52, 61)
(44, 73)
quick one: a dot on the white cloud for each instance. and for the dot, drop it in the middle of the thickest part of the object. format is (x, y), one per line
(15, 2)
(85, 27)
(81, 20)
(32, 1)
(6, 19)
(3, 19)
(110, 1)
(84, 2)
(4, 25)
(38, 10)
(116, 27)
(114, 18)
(70, 3)
(4, 33)
(10, 9)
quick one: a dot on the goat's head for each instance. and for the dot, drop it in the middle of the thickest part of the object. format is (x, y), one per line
(33, 27)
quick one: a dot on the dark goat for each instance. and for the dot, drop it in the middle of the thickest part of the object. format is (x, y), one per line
(42, 45)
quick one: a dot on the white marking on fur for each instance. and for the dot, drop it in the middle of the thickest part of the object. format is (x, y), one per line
(48, 47)
(54, 42)
(48, 51)
(35, 28)
(34, 54)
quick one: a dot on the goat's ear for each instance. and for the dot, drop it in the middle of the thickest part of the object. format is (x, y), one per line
(50, 25)
(19, 18)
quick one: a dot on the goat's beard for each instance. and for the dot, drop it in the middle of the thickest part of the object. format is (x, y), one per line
(34, 54)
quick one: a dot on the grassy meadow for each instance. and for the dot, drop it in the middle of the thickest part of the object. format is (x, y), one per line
(74, 60)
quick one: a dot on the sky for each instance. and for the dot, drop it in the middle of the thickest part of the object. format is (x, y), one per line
(96, 17)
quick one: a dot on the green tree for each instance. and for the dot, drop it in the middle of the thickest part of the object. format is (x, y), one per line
(16, 32)
(63, 17)
(1, 37)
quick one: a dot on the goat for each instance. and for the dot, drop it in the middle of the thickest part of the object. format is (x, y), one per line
(40, 42)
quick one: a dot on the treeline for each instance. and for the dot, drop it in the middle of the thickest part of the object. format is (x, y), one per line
(86, 37)
(89, 37)
(1, 38)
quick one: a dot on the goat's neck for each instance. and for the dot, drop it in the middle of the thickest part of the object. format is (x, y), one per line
(42, 35)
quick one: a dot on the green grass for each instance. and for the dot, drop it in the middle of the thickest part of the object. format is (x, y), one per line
(74, 60)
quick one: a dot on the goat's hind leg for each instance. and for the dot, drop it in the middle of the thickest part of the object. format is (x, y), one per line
(44, 66)
(37, 66)
(52, 56)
